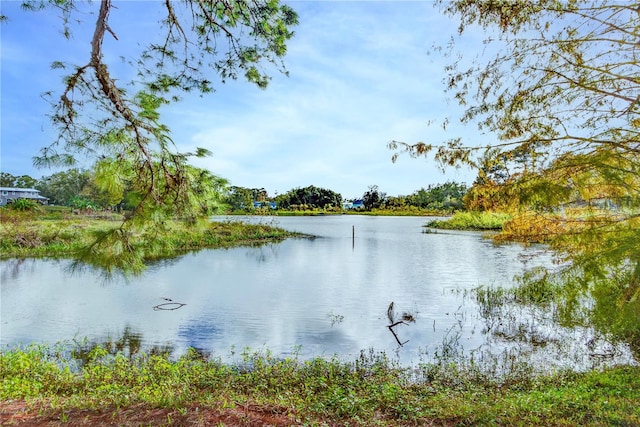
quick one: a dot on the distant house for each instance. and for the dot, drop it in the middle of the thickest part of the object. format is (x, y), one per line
(10, 194)
(258, 205)
(356, 204)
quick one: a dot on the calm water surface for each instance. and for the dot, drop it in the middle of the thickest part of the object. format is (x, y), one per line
(318, 297)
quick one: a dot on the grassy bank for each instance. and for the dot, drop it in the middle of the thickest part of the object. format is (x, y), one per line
(39, 385)
(33, 236)
(528, 226)
(472, 221)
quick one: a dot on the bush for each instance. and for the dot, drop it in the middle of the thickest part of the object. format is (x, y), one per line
(24, 205)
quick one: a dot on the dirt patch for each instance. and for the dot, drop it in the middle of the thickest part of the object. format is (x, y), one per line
(19, 413)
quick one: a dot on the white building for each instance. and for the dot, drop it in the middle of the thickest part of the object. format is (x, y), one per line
(11, 194)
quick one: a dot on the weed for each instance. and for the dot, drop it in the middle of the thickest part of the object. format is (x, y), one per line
(372, 390)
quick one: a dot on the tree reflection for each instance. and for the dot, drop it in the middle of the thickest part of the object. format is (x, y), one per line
(11, 269)
(544, 306)
(609, 305)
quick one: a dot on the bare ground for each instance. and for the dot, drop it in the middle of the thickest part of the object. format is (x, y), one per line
(20, 413)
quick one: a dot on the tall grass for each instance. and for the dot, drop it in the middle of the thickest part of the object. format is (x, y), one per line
(27, 236)
(472, 221)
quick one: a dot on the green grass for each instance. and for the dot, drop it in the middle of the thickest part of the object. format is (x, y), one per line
(23, 236)
(472, 221)
(371, 390)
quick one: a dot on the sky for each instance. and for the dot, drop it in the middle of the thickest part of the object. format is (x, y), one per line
(361, 74)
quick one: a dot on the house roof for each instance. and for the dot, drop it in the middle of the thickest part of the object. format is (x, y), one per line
(32, 193)
(18, 189)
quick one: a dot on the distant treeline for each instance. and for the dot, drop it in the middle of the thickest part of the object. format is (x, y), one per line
(443, 197)
(76, 188)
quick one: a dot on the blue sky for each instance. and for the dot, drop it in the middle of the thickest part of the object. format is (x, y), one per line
(360, 75)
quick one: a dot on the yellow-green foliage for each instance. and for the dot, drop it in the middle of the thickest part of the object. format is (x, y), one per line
(532, 227)
(543, 227)
(472, 221)
(603, 269)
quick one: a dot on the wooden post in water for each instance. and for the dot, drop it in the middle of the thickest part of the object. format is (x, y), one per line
(353, 236)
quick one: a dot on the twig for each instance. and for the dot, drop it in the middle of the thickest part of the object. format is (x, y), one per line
(390, 327)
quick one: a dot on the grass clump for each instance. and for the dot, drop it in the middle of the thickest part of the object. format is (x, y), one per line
(369, 391)
(470, 220)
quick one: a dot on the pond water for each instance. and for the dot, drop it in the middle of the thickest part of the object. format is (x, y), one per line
(321, 296)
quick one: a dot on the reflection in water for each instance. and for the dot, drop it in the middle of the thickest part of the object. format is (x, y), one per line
(526, 319)
(169, 306)
(12, 269)
(322, 297)
(601, 316)
(129, 343)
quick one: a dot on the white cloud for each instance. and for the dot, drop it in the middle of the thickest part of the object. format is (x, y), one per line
(360, 76)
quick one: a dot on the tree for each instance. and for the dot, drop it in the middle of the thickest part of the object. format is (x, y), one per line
(373, 198)
(486, 193)
(97, 118)
(397, 201)
(97, 197)
(61, 187)
(560, 93)
(23, 181)
(209, 190)
(239, 198)
(309, 198)
(7, 180)
(446, 196)
(259, 194)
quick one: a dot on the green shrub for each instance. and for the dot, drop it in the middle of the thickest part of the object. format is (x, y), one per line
(24, 205)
